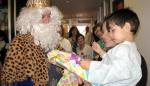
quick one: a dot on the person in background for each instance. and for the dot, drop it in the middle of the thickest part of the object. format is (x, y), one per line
(83, 50)
(4, 25)
(26, 63)
(88, 35)
(3, 46)
(64, 44)
(73, 32)
(98, 33)
(97, 36)
(121, 65)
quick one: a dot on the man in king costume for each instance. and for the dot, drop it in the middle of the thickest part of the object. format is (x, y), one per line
(38, 26)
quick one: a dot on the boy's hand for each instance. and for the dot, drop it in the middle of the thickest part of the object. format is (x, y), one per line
(85, 63)
(97, 48)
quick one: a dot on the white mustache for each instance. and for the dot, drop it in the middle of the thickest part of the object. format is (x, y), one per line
(45, 35)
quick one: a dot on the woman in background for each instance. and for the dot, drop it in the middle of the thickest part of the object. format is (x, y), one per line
(83, 50)
(73, 32)
(97, 37)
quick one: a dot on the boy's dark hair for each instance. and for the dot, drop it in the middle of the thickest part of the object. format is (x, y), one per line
(122, 16)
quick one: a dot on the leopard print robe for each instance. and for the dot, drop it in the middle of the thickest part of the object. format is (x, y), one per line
(25, 59)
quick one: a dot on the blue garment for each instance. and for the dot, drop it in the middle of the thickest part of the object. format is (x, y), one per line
(27, 82)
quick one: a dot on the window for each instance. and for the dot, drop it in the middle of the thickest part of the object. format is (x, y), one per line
(81, 29)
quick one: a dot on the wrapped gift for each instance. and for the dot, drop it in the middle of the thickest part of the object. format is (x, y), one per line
(70, 61)
(68, 79)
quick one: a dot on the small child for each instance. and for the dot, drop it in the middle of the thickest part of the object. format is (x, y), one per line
(121, 65)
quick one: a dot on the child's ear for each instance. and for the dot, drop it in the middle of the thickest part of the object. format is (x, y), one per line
(127, 26)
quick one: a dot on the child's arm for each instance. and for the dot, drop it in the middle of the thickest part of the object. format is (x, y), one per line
(85, 63)
(98, 49)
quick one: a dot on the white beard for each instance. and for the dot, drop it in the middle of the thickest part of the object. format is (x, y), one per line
(45, 35)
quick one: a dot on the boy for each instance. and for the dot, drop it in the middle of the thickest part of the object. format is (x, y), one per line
(120, 66)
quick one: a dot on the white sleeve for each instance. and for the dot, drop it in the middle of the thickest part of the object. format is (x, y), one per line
(114, 67)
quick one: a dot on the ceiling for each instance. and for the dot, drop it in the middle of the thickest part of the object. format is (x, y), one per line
(77, 8)
(72, 8)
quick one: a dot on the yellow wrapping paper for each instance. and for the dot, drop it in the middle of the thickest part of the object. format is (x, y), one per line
(68, 61)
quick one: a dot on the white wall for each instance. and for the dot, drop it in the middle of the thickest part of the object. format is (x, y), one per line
(142, 8)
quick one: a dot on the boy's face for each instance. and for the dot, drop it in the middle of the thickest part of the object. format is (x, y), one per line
(107, 38)
(119, 34)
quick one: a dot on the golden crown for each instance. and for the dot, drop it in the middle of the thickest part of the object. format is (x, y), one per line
(37, 3)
